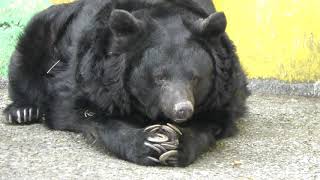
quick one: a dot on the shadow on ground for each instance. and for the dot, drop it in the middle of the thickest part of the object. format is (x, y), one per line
(280, 138)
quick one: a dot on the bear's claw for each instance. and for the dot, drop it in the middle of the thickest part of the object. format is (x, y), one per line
(23, 116)
(174, 128)
(169, 158)
(158, 138)
(163, 139)
(153, 147)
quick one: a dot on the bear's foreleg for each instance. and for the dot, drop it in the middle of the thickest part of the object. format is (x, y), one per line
(167, 145)
(164, 144)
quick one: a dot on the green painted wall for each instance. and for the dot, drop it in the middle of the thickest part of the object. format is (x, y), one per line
(14, 14)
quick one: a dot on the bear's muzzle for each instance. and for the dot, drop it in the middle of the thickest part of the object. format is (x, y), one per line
(177, 102)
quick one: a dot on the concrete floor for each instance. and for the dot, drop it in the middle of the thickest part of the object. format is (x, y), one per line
(280, 139)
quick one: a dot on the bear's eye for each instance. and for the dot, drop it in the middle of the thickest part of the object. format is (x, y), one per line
(159, 75)
(195, 79)
(111, 54)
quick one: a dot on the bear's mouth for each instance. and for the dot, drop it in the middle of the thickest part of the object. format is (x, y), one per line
(162, 118)
(179, 121)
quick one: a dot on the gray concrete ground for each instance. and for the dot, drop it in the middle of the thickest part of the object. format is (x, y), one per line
(277, 87)
(279, 139)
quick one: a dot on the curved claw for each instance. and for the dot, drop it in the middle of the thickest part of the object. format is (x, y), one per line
(170, 155)
(149, 128)
(25, 115)
(169, 130)
(153, 159)
(87, 114)
(30, 114)
(38, 111)
(174, 128)
(160, 147)
(152, 147)
(159, 138)
(18, 117)
(9, 119)
(218, 132)
(169, 146)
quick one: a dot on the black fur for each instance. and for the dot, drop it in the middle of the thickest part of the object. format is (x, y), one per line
(114, 64)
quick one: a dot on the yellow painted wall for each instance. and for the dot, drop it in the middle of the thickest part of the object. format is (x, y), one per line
(278, 39)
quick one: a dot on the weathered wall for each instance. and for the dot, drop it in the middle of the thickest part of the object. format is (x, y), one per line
(276, 38)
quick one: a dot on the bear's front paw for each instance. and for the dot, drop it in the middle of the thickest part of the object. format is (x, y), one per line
(22, 115)
(164, 140)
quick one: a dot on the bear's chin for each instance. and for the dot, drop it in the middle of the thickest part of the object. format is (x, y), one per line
(180, 121)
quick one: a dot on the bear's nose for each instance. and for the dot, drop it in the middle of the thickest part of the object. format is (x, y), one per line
(183, 111)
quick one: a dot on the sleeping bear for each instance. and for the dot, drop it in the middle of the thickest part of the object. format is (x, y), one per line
(155, 82)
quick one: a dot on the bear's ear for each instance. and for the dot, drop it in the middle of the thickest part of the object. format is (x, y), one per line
(215, 24)
(122, 23)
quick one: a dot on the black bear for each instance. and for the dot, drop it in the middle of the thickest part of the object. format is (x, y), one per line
(156, 82)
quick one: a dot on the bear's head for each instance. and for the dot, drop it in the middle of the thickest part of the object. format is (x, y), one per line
(172, 62)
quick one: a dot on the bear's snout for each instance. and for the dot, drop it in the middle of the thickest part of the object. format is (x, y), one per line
(177, 102)
(183, 111)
